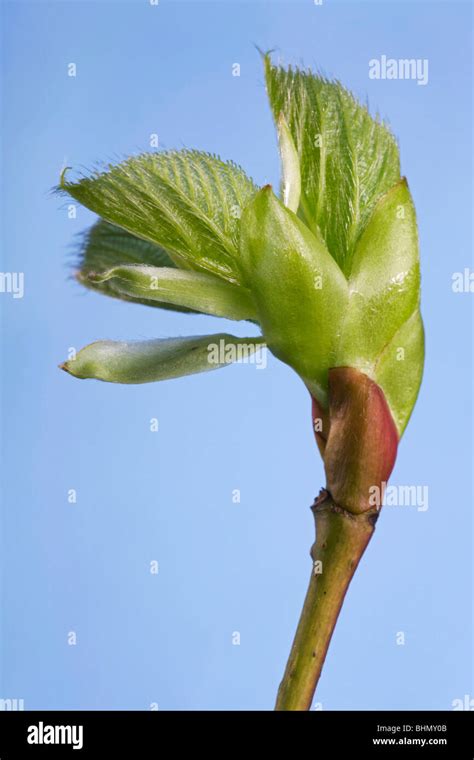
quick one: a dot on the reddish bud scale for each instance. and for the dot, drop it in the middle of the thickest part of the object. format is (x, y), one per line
(358, 440)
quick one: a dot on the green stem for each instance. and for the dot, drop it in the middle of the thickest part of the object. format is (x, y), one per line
(341, 539)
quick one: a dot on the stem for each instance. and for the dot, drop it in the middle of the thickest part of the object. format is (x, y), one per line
(341, 539)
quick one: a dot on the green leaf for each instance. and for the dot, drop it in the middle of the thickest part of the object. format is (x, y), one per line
(399, 369)
(299, 291)
(290, 167)
(348, 159)
(200, 292)
(383, 310)
(163, 359)
(384, 285)
(105, 245)
(187, 202)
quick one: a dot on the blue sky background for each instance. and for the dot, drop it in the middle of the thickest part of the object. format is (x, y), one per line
(167, 496)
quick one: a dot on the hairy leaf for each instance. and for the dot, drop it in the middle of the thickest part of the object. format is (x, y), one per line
(187, 202)
(163, 359)
(105, 245)
(348, 159)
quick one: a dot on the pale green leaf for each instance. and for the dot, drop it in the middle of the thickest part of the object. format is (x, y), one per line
(200, 292)
(163, 359)
(384, 285)
(383, 309)
(290, 167)
(399, 369)
(105, 245)
(299, 291)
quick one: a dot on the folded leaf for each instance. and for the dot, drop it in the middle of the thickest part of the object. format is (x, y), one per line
(105, 245)
(299, 291)
(399, 369)
(290, 167)
(348, 159)
(163, 359)
(187, 202)
(200, 292)
(384, 284)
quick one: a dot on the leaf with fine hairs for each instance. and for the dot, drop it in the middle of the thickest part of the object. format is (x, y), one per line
(162, 359)
(200, 292)
(348, 159)
(187, 202)
(105, 245)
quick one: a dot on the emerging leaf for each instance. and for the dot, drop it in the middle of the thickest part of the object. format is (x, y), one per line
(105, 245)
(348, 159)
(384, 284)
(290, 167)
(300, 292)
(332, 273)
(200, 292)
(187, 202)
(384, 294)
(399, 369)
(163, 359)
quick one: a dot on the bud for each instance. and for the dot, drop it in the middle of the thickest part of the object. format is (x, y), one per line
(361, 446)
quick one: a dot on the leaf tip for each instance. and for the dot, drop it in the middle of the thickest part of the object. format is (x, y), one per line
(264, 54)
(62, 178)
(92, 276)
